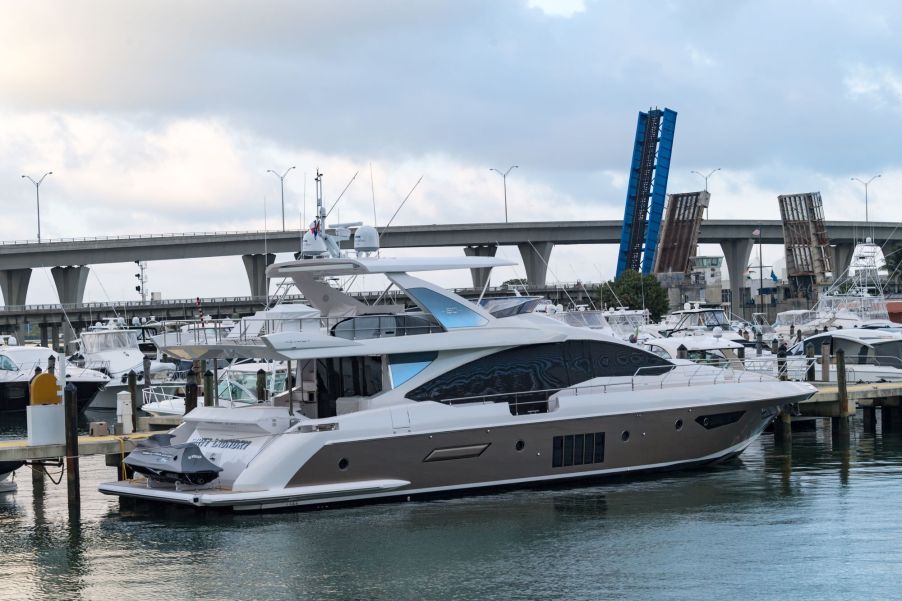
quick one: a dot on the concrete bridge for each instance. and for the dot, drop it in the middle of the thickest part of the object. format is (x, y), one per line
(69, 259)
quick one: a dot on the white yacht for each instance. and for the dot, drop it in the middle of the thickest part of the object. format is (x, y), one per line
(483, 402)
(17, 368)
(116, 352)
(856, 299)
(870, 355)
(443, 399)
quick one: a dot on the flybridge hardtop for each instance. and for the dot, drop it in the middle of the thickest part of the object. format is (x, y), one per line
(353, 265)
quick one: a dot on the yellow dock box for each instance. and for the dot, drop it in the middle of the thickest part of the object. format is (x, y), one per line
(44, 390)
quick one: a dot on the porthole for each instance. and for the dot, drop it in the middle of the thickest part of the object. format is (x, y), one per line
(678, 425)
(520, 445)
(706, 422)
(342, 464)
(625, 435)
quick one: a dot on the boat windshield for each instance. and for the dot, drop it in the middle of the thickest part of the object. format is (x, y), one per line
(275, 381)
(788, 318)
(97, 342)
(696, 319)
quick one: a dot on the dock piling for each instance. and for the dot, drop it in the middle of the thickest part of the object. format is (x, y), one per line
(781, 362)
(809, 360)
(133, 391)
(261, 385)
(73, 484)
(869, 418)
(825, 362)
(840, 423)
(191, 389)
(208, 389)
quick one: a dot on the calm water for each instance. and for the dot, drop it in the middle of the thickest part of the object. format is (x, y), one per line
(819, 520)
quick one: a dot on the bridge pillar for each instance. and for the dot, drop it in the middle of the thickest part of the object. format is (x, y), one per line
(535, 257)
(14, 285)
(256, 265)
(44, 340)
(842, 256)
(736, 253)
(480, 275)
(70, 286)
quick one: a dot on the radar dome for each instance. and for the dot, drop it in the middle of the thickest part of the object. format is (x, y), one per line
(312, 245)
(366, 239)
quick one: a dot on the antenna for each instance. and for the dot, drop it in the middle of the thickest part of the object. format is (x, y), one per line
(373, 193)
(342, 193)
(401, 205)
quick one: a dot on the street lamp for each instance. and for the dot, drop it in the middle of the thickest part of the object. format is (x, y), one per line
(713, 171)
(866, 184)
(37, 191)
(504, 177)
(282, 183)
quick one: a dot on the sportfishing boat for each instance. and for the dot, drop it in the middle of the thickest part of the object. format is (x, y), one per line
(116, 352)
(459, 401)
(855, 299)
(870, 355)
(18, 366)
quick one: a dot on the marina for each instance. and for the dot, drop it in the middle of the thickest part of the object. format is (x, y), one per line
(542, 299)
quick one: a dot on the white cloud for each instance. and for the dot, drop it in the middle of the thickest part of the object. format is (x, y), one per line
(875, 84)
(558, 8)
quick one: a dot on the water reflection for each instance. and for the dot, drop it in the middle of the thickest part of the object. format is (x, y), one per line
(756, 521)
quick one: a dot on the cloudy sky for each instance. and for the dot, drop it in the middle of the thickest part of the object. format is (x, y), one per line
(164, 116)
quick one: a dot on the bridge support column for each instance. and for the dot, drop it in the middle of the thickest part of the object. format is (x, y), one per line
(256, 265)
(14, 285)
(70, 285)
(480, 275)
(54, 337)
(736, 253)
(44, 340)
(535, 257)
(842, 256)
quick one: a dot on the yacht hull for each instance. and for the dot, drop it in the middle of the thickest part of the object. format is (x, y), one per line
(14, 396)
(535, 452)
(106, 398)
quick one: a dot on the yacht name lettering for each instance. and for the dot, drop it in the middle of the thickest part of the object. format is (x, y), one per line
(222, 443)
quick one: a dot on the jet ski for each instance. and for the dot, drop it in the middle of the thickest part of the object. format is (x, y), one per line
(182, 463)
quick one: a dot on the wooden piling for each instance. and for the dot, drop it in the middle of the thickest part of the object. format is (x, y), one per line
(869, 419)
(190, 391)
(261, 385)
(133, 391)
(146, 371)
(825, 362)
(72, 475)
(809, 361)
(208, 389)
(781, 362)
(886, 419)
(783, 427)
(840, 423)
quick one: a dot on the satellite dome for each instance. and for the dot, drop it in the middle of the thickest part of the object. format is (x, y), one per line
(366, 239)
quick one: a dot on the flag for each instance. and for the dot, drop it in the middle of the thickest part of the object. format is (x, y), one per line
(773, 276)
(756, 232)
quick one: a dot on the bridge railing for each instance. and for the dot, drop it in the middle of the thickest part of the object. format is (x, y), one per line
(45, 241)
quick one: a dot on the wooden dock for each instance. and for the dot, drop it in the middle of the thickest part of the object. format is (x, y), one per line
(20, 450)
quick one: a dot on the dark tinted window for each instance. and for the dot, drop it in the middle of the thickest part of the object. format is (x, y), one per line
(346, 377)
(538, 367)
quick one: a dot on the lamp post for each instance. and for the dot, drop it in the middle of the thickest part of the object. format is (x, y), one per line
(713, 171)
(37, 191)
(504, 177)
(866, 184)
(282, 184)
